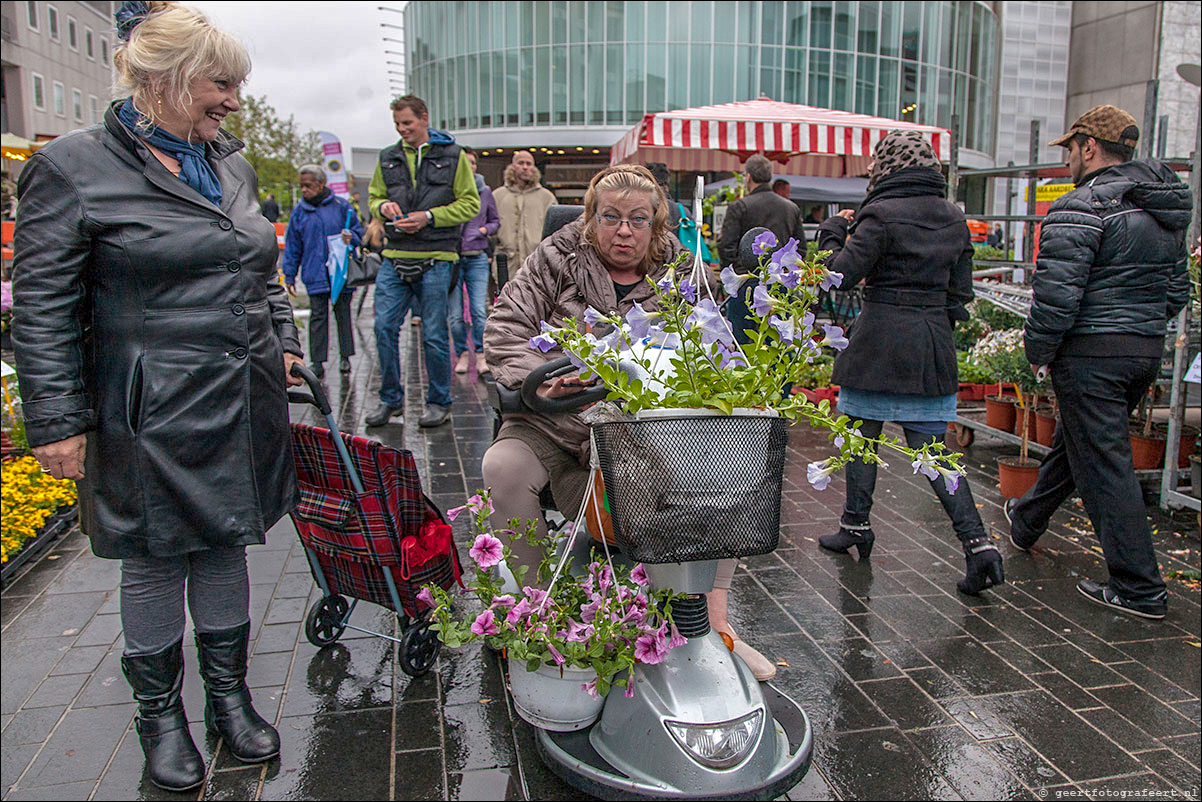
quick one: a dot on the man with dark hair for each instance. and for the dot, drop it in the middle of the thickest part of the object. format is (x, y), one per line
(759, 207)
(781, 187)
(424, 190)
(1111, 271)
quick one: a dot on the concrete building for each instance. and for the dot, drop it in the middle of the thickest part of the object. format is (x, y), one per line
(57, 66)
(1117, 48)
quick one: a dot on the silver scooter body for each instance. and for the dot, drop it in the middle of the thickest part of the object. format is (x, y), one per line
(631, 752)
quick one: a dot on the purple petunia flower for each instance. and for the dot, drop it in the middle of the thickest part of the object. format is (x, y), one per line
(730, 357)
(519, 612)
(831, 279)
(925, 464)
(640, 321)
(590, 688)
(732, 281)
(426, 597)
(762, 301)
(477, 503)
(592, 317)
(819, 473)
(639, 576)
(487, 551)
(555, 655)
(614, 340)
(688, 291)
(834, 337)
(783, 326)
(542, 342)
(578, 632)
(485, 624)
(505, 601)
(677, 639)
(951, 479)
(764, 243)
(453, 513)
(707, 317)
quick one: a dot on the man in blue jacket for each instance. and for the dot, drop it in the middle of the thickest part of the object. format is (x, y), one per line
(319, 215)
(1111, 272)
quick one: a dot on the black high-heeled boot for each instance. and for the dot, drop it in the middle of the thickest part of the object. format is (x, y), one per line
(228, 710)
(858, 535)
(983, 566)
(172, 759)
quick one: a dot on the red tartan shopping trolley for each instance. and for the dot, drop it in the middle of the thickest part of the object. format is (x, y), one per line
(369, 532)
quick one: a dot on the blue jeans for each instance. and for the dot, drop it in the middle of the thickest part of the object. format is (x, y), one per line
(428, 298)
(473, 271)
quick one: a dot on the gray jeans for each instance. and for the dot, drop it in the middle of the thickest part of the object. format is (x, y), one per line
(152, 596)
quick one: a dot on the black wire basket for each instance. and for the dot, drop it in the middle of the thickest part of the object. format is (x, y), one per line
(681, 489)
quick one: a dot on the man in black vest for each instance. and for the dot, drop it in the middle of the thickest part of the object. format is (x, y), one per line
(424, 190)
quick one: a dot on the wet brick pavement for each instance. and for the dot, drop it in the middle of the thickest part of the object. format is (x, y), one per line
(1028, 692)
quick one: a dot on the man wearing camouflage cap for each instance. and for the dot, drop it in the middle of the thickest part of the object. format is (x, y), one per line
(1111, 272)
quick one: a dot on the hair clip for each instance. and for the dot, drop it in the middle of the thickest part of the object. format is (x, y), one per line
(129, 16)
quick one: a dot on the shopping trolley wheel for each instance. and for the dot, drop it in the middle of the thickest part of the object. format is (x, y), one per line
(326, 620)
(961, 435)
(419, 647)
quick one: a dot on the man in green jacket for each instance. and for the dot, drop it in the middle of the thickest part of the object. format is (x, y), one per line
(424, 190)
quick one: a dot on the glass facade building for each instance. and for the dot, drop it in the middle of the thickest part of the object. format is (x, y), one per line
(487, 67)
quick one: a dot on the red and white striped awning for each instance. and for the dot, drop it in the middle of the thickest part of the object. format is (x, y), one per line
(805, 140)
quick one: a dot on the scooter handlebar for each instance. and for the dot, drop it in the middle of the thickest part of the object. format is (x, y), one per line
(569, 403)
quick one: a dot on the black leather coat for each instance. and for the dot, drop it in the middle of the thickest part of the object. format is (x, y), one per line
(153, 321)
(913, 249)
(1112, 265)
(761, 207)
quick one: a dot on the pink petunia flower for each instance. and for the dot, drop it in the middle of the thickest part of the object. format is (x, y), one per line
(505, 601)
(477, 503)
(590, 688)
(485, 623)
(648, 649)
(487, 551)
(426, 597)
(519, 612)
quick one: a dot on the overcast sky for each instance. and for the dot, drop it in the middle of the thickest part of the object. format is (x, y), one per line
(322, 62)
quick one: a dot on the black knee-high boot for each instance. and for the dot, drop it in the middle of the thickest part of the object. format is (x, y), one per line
(854, 528)
(228, 709)
(172, 759)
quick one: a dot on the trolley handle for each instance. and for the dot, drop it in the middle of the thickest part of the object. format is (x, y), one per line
(316, 395)
(570, 403)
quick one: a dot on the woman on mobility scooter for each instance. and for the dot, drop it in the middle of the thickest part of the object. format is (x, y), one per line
(602, 261)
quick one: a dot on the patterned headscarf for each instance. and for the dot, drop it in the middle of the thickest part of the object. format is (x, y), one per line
(898, 150)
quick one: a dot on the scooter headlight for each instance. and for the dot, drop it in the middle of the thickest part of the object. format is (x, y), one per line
(721, 745)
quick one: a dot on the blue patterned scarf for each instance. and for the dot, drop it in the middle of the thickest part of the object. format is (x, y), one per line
(195, 170)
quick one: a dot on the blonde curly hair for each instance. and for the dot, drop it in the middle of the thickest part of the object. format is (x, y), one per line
(625, 179)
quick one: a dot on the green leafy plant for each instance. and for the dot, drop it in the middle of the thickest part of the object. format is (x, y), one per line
(1002, 355)
(598, 618)
(970, 372)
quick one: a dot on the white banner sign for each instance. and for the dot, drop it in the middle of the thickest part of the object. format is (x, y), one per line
(335, 166)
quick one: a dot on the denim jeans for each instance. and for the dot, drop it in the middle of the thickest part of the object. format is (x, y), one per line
(428, 299)
(861, 481)
(473, 271)
(1091, 454)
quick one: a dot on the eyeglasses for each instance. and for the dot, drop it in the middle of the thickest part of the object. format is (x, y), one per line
(613, 221)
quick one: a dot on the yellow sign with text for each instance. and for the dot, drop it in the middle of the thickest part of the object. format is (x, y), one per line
(1046, 193)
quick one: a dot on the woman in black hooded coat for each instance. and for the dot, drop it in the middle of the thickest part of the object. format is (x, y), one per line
(912, 248)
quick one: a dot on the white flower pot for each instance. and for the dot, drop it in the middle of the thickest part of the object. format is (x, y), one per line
(551, 701)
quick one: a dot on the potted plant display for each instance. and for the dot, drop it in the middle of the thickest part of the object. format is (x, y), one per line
(1147, 443)
(993, 354)
(1003, 355)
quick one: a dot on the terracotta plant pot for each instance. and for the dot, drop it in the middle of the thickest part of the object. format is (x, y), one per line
(1045, 426)
(1187, 444)
(966, 392)
(1147, 453)
(999, 413)
(978, 392)
(1016, 475)
(1018, 423)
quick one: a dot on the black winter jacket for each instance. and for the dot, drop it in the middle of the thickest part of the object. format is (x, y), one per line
(912, 247)
(1111, 268)
(762, 207)
(153, 321)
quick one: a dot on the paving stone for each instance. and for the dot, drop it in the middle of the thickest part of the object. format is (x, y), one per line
(1145, 711)
(13, 760)
(833, 702)
(880, 764)
(1067, 692)
(1134, 786)
(469, 675)
(1022, 761)
(936, 682)
(1086, 671)
(61, 615)
(1173, 768)
(81, 746)
(1152, 682)
(23, 664)
(1080, 753)
(906, 705)
(233, 785)
(1187, 746)
(313, 760)
(127, 778)
(812, 788)
(977, 718)
(971, 769)
(486, 784)
(56, 691)
(82, 576)
(471, 737)
(860, 659)
(107, 684)
(355, 675)
(420, 775)
(1119, 729)
(63, 791)
(978, 670)
(31, 725)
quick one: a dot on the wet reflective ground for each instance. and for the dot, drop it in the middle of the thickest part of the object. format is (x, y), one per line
(915, 692)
